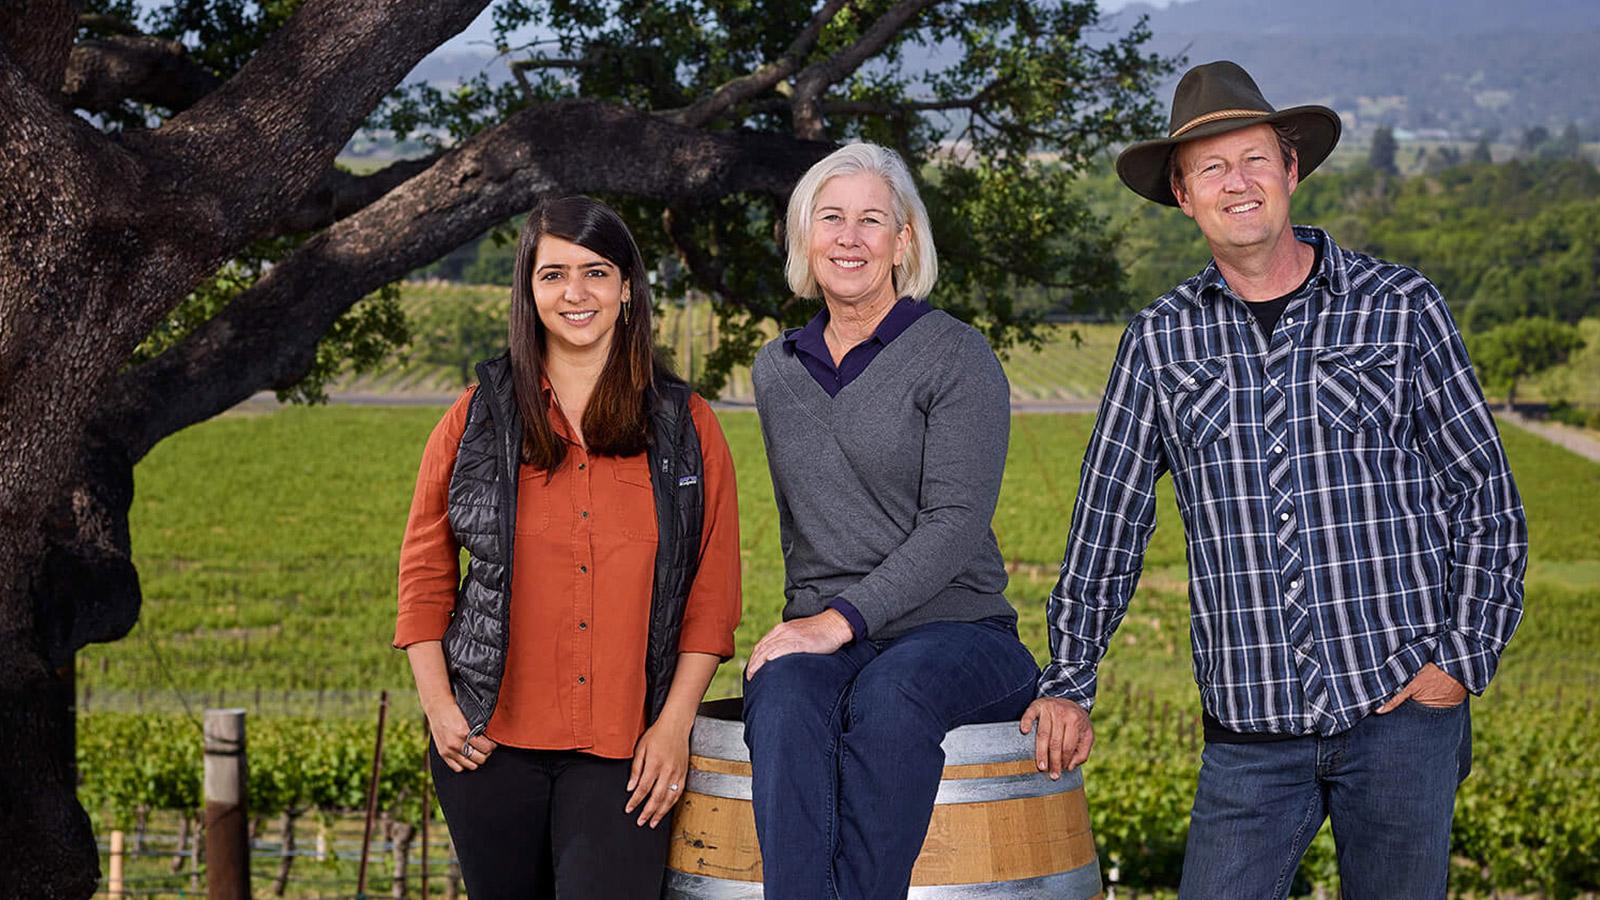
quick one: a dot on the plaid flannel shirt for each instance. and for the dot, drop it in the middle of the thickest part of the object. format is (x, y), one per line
(1348, 509)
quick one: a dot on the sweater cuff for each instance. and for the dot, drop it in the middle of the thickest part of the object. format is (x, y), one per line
(858, 622)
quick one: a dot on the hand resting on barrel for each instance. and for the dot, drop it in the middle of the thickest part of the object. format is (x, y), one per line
(824, 632)
(1062, 734)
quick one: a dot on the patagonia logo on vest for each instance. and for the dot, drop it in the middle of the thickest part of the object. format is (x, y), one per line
(687, 480)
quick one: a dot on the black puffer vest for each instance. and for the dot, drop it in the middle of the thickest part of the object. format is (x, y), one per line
(483, 510)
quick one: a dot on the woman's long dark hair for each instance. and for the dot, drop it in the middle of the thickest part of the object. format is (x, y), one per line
(617, 420)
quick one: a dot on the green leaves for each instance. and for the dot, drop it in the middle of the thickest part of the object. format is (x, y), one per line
(461, 331)
(362, 338)
(997, 103)
(221, 34)
(1507, 353)
(153, 761)
(359, 341)
(1017, 239)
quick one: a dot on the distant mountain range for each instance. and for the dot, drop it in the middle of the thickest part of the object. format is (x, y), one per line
(1459, 67)
(1436, 68)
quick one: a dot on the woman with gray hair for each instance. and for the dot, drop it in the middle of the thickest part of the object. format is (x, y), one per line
(886, 423)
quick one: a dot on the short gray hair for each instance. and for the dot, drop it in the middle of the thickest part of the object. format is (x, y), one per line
(919, 266)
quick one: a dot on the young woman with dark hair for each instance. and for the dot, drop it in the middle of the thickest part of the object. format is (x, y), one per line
(594, 494)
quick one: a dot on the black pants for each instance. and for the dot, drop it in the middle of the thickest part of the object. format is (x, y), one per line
(549, 824)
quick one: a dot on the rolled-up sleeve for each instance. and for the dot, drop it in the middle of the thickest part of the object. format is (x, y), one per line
(713, 609)
(430, 569)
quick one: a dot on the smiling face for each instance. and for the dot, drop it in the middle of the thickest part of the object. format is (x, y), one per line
(578, 294)
(855, 243)
(1236, 187)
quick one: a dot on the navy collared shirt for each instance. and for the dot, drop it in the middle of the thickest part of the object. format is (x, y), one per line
(811, 346)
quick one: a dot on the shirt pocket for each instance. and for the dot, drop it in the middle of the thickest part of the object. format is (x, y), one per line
(1202, 402)
(533, 501)
(635, 501)
(1357, 387)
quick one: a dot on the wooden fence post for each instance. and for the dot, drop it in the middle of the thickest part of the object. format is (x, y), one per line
(114, 887)
(400, 837)
(452, 878)
(227, 807)
(372, 794)
(427, 805)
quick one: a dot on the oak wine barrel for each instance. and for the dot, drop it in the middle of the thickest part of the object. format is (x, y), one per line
(1000, 828)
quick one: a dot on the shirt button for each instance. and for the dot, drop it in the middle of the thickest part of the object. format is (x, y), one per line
(582, 466)
(584, 514)
(583, 626)
(1273, 382)
(1190, 382)
(1284, 517)
(1294, 585)
(584, 569)
(1288, 320)
(582, 680)
(1277, 448)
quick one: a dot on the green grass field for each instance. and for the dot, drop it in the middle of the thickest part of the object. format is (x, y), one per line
(268, 543)
(1071, 366)
(267, 546)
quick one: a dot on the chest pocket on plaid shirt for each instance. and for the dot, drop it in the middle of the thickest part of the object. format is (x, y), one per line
(1201, 400)
(1356, 387)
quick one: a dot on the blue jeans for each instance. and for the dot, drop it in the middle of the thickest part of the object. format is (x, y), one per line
(1389, 784)
(845, 754)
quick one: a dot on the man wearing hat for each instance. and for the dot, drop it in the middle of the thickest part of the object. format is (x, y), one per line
(1356, 545)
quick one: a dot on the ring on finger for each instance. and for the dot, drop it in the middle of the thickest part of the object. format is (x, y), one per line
(672, 787)
(466, 751)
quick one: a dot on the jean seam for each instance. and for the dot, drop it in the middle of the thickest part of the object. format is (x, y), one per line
(1026, 685)
(1280, 887)
(833, 818)
(834, 750)
(1030, 682)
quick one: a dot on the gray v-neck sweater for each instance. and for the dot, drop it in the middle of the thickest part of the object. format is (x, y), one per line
(885, 491)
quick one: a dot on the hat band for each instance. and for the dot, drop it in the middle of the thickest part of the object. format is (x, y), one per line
(1218, 115)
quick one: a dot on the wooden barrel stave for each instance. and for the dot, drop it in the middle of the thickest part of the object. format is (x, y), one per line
(1083, 882)
(998, 829)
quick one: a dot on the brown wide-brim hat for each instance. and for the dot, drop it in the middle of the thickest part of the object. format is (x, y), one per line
(1212, 99)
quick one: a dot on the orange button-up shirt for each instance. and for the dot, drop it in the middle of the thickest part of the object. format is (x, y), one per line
(582, 572)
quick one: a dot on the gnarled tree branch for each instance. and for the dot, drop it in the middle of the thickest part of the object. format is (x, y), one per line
(341, 194)
(268, 335)
(880, 107)
(265, 137)
(752, 85)
(38, 36)
(705, 270)
(816, 78)
(100, 23)
(104, 72)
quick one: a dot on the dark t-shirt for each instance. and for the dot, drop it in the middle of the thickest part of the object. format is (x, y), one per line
(1267, 312)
